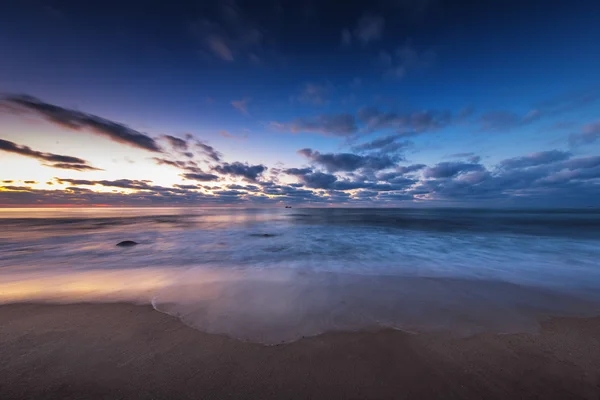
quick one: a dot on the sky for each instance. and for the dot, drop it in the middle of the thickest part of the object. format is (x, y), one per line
(383, 103)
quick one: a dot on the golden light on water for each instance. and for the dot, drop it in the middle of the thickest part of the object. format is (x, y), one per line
(113, 285)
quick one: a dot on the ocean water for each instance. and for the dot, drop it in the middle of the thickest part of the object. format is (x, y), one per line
(276, 275)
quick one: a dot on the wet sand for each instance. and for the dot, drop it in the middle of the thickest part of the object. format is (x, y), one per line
(123, 351)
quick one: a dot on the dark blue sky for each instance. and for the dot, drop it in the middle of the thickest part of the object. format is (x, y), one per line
(453, 91)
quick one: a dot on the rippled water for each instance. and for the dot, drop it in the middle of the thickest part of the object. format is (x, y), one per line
(275, 275)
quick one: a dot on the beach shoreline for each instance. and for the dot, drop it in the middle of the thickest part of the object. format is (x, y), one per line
(122, 350)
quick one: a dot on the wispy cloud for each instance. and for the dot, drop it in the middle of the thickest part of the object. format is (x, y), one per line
(241, 105)
(315, 93)
(369, 28)
(325, 124)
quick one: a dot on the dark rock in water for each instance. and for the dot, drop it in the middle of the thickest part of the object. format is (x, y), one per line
(127, 243)
(263, 234)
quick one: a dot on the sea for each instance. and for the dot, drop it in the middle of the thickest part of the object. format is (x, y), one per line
(279, 274)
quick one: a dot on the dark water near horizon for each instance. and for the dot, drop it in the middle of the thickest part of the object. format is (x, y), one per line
(278, 274)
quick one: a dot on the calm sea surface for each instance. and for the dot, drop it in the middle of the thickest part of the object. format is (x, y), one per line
(274, 275)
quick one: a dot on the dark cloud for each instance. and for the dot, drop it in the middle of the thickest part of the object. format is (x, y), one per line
(298, 171)
(250, 188)
(74, 167)
(55, 160)
(329, 125)
(16, 188)
(187, 187)
(547, 180)
(319, 180)
(249, 172)
(177, 143)
(12, 147)
(78, 120)
(83, 196)
(535, 159)
(582, 162)
(450, 169)
(201, 177)
(334, 162)
(120, 183)
(589, 134)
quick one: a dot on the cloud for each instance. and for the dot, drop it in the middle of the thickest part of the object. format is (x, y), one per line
(320, 180)
(187, 187)
(405, 124)
(570, 101)
(120, 183)
(189, 166)
(241, 106)
(55, 160)
(334, 162)
(298, 171)
(329, 125)
(535, 159)
(177, 143)
(369, 28)
(385, 144)
(219, 47)
(400, 171)
(501, 120)
(404, 60)
(589, 134)
(450, 169)
(230, 35)
(209, 151)
(77, 120)
(185, 147)
(200, 176)
(229, 135)
(74, 167)
(315, 93)
(471, 157)
(495, 121)
(249, 172)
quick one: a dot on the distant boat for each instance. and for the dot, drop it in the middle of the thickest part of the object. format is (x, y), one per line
(288, 206)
